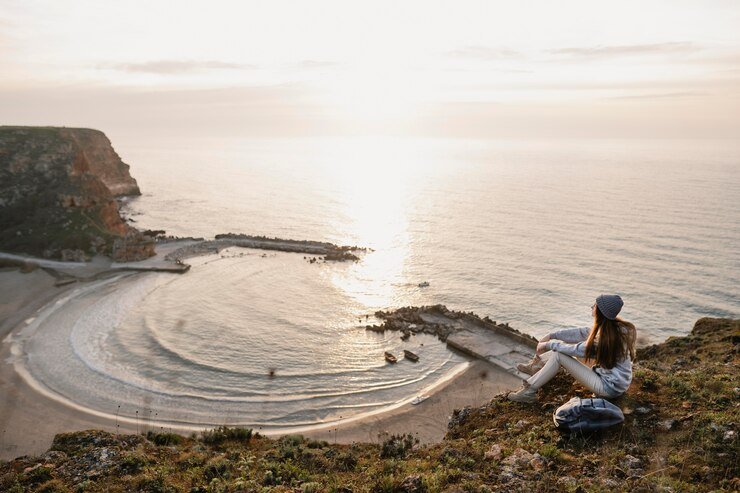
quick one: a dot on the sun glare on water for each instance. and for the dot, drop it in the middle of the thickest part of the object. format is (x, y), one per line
(374, 180)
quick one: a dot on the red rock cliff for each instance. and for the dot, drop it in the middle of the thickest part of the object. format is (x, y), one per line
(103, 161)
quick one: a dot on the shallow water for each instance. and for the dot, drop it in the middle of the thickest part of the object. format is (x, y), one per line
(265, 345)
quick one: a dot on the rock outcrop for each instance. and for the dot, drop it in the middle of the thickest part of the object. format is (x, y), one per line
(438, 320)
(58, 189)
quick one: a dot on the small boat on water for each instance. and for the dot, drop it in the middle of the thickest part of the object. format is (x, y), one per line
(424, 284)
(409, 355)
(419, 399)
(390, 358)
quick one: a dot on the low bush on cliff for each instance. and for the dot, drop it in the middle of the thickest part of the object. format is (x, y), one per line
(398, 446)
(224, 433)
(164, 439)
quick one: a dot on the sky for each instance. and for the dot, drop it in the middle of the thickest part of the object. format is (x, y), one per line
(463, 69)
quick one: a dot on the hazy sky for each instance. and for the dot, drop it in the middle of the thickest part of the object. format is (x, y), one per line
(305, 68)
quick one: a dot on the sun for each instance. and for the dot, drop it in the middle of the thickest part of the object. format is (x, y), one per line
(373, 94)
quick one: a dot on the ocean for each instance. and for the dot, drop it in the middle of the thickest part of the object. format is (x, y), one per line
(526, 232)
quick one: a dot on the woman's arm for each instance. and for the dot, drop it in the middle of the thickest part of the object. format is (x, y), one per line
(577, 350)
(571, 336)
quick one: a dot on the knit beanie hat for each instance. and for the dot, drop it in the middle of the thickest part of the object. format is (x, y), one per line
(610, 304)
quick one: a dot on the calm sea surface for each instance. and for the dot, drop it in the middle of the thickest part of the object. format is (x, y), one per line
(525, 232)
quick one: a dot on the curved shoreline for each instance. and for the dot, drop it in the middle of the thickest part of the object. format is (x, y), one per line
(58, 414)
(50, 344)
(18, 356)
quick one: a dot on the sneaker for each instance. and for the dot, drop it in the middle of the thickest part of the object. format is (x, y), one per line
(532, 367)
(526, 395)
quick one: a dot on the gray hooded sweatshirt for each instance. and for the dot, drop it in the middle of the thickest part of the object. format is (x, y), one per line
(573, 343)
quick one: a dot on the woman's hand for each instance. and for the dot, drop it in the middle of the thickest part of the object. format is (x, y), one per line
(542, 348)
(546, 338)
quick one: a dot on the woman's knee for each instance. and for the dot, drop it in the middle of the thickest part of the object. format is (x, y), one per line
(548, 354)
(556, 356)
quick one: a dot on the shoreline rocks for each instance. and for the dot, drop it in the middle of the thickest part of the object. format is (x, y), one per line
(439, 321)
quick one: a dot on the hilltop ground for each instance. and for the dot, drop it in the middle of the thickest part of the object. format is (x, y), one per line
(680, 434)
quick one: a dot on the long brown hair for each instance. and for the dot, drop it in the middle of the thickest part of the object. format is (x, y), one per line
(616, 341)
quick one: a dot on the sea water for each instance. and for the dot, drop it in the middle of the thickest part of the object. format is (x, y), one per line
(526, 232)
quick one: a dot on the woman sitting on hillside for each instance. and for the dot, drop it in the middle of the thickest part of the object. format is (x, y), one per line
(610, 343)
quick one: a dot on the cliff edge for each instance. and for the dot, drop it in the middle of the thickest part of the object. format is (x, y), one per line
(58, 189)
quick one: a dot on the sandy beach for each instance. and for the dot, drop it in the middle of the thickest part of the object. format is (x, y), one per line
(29, 419)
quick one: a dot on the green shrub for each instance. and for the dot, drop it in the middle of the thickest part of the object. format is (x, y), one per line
(283, 473)
(345, 462)
(386, 484)
(317, 444)
(550, 451)
(397, 446)
(311, 488)
(647, 378)
(164, 439)
(287, 452)
(190, 460)
(38, 475)
(293, 440)
(9, 482)
(132, 463)
(224, 433)
(216, 468)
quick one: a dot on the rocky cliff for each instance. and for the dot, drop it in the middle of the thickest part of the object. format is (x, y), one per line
(103, 161)
(57, 195)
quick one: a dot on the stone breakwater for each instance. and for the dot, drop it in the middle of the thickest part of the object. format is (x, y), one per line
(330, 251)
(438, 320)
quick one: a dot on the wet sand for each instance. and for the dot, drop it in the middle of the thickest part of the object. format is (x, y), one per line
(29, 420)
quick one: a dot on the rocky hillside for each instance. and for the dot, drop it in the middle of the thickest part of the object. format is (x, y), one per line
(58, 189)
(680, 435)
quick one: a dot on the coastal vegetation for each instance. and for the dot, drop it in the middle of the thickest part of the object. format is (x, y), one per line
(680, 434)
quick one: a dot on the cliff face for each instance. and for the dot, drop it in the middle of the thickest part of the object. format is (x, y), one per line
(103, 161)
(57, 195)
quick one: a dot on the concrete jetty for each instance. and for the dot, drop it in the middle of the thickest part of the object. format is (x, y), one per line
(481, 338)
(99, 266)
